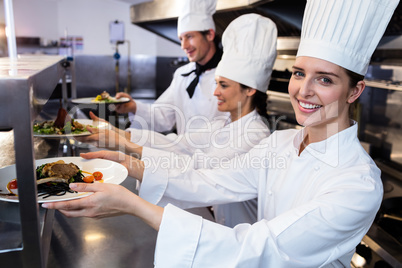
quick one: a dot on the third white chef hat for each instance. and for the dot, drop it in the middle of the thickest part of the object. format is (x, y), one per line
(344, 32)
(196, 15)
(249, 51)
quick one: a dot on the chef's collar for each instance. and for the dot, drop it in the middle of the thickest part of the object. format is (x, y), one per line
(328, 150)
(199, 69)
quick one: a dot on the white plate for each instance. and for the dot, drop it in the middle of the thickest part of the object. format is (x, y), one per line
(113, 172)
(81, 121)
(92, 101)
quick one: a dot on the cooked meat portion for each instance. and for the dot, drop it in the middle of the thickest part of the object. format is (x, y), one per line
(78, 125)
(105, 95)
(60, 169)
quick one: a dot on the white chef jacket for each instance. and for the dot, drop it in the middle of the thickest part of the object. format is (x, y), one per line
(175, 108)
(313, 209)
(211, 148)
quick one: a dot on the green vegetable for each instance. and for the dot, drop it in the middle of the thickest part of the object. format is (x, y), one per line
(39, 174)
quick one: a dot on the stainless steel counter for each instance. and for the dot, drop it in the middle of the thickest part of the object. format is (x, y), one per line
(25, 86)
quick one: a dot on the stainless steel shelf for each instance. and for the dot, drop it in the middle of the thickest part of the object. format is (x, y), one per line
(25, 85)
(383, 84)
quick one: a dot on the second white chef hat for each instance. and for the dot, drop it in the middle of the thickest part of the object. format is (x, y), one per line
(249, 51)
(344, 32)
(196, 15)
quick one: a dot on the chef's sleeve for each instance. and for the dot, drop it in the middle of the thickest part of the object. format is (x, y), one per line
(234, 181)
(321, 232)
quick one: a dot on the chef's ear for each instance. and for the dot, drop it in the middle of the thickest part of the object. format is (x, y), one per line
(210, 35)
(251, 91)
(356, 91)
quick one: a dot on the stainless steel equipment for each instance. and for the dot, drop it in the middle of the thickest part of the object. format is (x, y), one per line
(25, 85)
(160, 16)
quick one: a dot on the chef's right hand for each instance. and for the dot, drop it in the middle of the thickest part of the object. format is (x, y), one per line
(125, 108)
(134, 166)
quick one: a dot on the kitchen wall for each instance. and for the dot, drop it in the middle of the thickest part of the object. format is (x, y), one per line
(48, 19)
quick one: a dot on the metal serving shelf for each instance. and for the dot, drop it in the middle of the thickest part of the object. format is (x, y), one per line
(25, 86)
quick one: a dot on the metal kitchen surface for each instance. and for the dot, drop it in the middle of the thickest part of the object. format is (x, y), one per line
(25, 84)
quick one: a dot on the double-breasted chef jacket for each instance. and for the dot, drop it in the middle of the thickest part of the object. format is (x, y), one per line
(211, 148)
(174, 108)
(313, 209)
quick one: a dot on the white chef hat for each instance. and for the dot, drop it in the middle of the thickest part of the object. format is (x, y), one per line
(196, 15)
(344, 32)
(249, 51)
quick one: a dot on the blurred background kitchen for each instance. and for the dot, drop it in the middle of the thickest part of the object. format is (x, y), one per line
(141, 63)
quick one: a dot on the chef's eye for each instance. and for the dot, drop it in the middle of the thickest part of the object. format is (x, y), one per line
(326, 80)
(298, 74)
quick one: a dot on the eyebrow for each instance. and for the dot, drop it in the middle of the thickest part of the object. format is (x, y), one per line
(325, 73)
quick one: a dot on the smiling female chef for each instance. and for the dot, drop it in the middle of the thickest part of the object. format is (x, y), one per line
(242, 77)
(316, 200)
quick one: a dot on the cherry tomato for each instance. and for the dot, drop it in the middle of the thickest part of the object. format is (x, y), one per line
(13, 184)
(98, 175)
(88, 179)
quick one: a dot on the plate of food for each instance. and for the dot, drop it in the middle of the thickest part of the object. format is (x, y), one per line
(71, 128)
(55, 174)
(103, 98)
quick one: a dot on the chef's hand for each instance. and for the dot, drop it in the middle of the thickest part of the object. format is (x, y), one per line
(124, 108)
(98, 119)
(134, 166)
(108, 200)
(104, 138)
(107, 125)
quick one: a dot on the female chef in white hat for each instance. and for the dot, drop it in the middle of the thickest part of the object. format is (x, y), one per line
(242, 78)
(318, 190)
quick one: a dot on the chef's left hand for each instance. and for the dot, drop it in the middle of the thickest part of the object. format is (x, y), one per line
(107, 200)
(104, 138)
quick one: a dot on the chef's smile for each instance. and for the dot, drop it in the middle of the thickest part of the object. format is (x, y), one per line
(308, 107)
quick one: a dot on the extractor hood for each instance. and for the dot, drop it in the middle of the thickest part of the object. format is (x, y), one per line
(160, 17)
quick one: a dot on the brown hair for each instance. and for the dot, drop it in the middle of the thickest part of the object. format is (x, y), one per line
(259, 101)
(354, 109)
(354, 78)
(217, 39)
